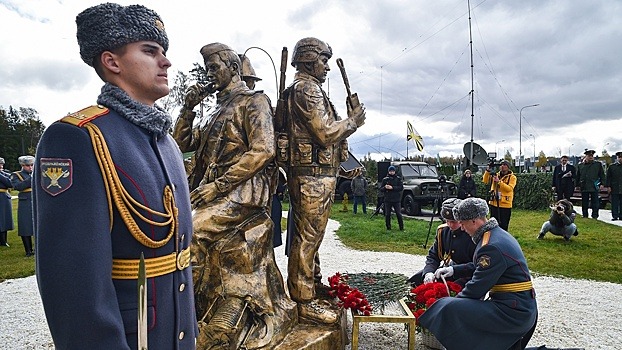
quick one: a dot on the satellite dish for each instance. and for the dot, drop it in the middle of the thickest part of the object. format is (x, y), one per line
(480, 156)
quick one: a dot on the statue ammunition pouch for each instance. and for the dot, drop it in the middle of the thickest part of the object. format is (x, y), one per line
(306, 153)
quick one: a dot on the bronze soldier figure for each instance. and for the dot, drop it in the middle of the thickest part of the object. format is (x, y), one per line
(239, 291)
(317, 145)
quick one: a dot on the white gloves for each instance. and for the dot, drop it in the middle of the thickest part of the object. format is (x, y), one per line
(428, 278)
(444, 271)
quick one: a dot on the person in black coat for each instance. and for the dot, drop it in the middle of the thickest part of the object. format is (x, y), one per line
(392, 188)
(563, 179)
(467, 187)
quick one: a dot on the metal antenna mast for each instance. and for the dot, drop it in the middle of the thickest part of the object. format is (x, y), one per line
(472, 86)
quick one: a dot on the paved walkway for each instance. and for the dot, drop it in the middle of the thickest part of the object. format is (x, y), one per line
(604, 216)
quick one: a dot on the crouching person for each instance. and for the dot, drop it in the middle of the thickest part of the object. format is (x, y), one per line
(507, 318)
(561, 222)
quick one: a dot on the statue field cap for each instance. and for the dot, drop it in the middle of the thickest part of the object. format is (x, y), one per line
(109, 26)
(213, 48)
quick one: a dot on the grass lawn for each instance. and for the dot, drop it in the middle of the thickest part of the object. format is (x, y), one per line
(591, 255)
(14, 262)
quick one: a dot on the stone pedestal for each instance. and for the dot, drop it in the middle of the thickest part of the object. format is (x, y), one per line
(317, 337)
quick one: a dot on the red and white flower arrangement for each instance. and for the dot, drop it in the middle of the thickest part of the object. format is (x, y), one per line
(349, 298)
(423, 296)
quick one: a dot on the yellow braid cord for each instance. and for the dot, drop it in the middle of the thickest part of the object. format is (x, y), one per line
(125, 204)
(512, 287)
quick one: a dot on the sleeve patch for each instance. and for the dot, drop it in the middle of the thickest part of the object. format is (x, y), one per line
(56, 175)
(483, 262)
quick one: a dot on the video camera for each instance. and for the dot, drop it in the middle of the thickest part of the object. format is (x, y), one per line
(492, 161)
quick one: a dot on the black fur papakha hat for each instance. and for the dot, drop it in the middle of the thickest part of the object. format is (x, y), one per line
(471, 208)
(109, 26)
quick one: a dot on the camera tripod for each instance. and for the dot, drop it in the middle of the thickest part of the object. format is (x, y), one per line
(436, 210)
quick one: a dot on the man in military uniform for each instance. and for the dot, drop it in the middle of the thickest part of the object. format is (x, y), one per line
(236, 277)
(507, 318)
(591, 180)
(22, 181)
(109, 186)
(614, 187)
(317, 145)
(452, 252)
(6, 207)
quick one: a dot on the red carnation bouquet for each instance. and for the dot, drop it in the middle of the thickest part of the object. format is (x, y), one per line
(423, 296)
(349, 298)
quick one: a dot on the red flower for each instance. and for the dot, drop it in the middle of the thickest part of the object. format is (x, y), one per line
(423, 296)
(349, 298)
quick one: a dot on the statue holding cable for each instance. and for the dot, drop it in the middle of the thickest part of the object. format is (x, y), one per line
(239, 291)
(313, 148)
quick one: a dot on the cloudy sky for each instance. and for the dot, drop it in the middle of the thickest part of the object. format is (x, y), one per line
(408, 60)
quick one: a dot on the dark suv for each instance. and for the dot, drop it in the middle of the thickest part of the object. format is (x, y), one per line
(421, 184)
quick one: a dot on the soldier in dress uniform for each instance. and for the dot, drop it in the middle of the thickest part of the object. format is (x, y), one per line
(6, 207)
(452, 252)
(507, 319)
(110, 185)
(591, 180)
(22, 181)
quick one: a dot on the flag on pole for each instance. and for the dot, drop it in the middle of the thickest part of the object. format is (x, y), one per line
(414, 136)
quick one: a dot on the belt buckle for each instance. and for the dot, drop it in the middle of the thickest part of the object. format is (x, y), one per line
(183, 260)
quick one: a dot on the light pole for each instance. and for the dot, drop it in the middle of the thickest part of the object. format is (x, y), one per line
(572, 144)
(496, 143)
(534, 149)
(520, 133)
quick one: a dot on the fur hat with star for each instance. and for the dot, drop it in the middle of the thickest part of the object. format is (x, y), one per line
(471, 208)
(109, 26)
(447, 208)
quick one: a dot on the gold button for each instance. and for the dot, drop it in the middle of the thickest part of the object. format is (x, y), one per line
(181, 335)
(453, 251)
(182, 287)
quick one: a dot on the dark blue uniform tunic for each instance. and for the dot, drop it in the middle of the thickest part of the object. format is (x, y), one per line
(85, 307)
(467, 321)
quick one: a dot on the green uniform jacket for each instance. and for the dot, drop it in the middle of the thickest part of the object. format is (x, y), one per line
(589, 176)
(614, 178)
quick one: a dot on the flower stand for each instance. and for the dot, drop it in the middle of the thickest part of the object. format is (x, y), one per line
(407, 317)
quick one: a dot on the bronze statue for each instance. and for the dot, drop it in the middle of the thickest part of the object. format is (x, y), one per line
(317, 145)
(239, 291)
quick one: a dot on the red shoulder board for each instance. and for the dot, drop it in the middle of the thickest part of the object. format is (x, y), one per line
(85, 115)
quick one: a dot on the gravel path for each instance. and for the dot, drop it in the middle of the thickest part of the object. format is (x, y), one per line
(572, 313)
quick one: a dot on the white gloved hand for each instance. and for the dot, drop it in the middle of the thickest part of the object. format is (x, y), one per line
(444, 271)
(428, 278)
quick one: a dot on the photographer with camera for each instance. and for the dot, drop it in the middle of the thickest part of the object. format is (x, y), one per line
(561, 222)
(501, 193)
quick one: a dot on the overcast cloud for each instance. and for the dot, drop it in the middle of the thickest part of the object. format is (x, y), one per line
(407, 60)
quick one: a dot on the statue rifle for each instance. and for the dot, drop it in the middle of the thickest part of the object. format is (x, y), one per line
(353, 99)
(279, 113)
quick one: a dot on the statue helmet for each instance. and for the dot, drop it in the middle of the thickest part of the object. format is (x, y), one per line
(309, 49)
(247, 69)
